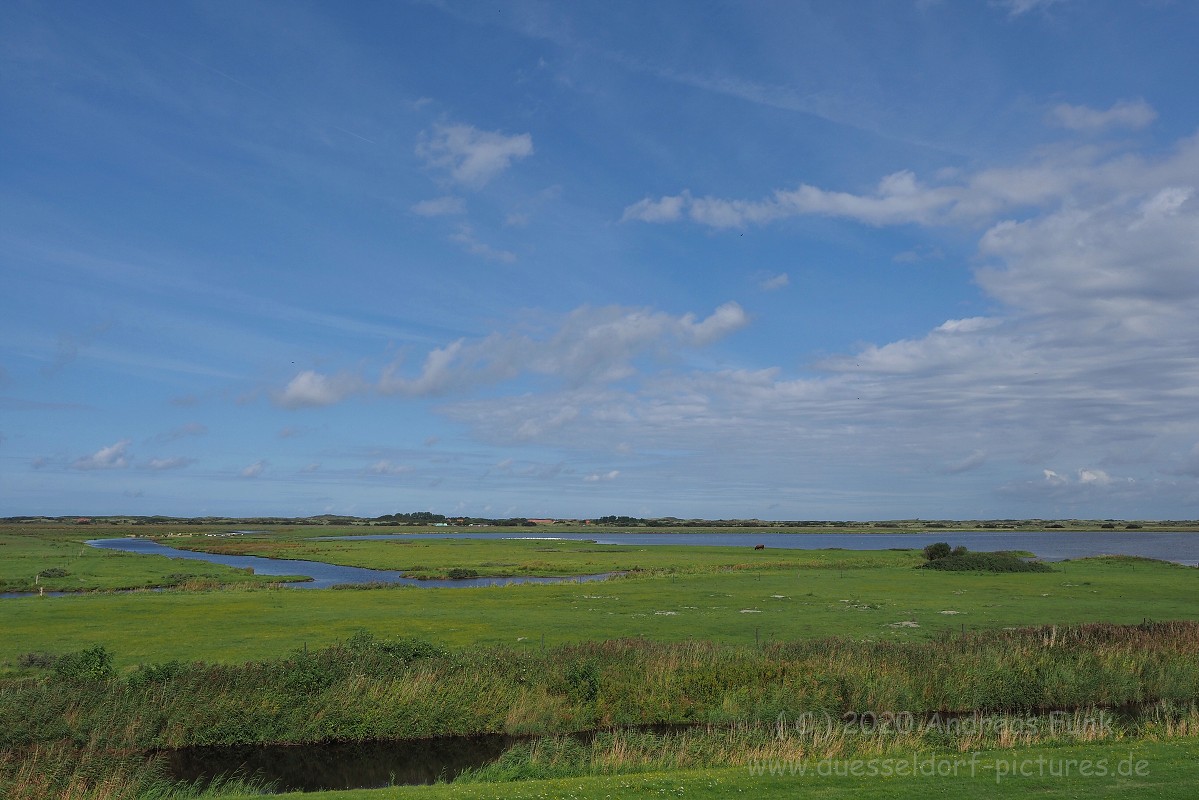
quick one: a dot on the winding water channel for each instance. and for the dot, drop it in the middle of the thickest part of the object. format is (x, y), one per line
(322, 575)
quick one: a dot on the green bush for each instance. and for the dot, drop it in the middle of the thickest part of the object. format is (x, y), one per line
(936, 551)
(91, 664)
(459, 573)
(985, 562)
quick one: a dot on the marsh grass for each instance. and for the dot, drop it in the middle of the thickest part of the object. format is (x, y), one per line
(65, 771)
(369, 688)
(57, 560)
(633, 751)
(88, 732)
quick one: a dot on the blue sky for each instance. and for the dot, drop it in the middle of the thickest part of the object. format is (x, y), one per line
(782, 260)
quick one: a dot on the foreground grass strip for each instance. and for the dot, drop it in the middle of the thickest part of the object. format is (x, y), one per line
(1147, 769)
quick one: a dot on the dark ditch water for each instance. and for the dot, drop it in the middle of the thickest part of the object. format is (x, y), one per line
(324, 766)
(355, 765)
(340, 765)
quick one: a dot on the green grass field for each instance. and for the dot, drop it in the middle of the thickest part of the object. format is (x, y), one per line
(731, 596)
(786, 595)
(28, 551)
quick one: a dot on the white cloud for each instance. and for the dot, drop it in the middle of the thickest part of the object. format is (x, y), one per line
(112, 457)
(178, 462)
(1091, 353)
(665, 209)
(597, 477)
(310, 388)
(471, 156)
(440, 207)
(589, 345)
(1134, 114)
(1086, 175)
(254, 470)
(898, 198)
(775, 283)
(1094, 476)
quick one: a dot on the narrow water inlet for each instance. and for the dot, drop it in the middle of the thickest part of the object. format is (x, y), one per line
(323, 766)
(339, 765)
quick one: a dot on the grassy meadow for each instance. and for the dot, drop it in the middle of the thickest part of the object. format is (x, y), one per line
(714, 636)
(728, 595)
(55, 558)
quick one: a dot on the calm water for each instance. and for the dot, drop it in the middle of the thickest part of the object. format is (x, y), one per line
(323, 575)
(1048, 545)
